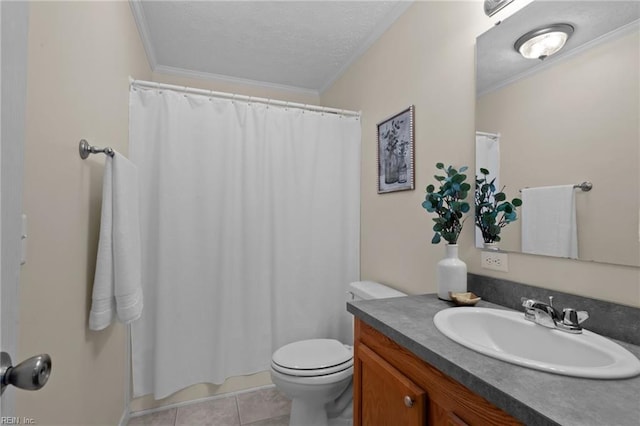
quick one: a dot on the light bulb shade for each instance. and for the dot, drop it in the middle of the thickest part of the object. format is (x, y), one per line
(543, 42)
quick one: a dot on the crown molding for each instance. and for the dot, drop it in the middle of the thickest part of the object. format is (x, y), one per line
(164, 69)
(143, 30)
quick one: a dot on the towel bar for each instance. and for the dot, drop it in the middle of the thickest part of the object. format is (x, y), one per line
(585, 186)
(86, 149)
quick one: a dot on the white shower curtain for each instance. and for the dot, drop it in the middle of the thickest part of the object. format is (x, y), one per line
(487, 157)
(250, 232)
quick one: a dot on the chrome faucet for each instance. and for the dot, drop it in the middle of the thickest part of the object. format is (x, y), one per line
(545, 314)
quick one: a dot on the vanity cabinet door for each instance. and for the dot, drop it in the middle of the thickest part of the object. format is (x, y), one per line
(388, 397)
(440, 417)
(385, 372)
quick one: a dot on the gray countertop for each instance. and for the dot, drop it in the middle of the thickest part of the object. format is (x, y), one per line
(533, 397)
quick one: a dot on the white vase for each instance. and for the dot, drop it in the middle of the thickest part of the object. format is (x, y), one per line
(451, 274)
(491, 246)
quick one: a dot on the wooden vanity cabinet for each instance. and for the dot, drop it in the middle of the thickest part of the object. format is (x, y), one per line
(393, 387)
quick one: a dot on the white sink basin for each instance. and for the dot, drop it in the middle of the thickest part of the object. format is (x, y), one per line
(506, 335)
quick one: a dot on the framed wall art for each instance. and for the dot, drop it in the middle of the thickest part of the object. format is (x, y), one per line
(396, 153)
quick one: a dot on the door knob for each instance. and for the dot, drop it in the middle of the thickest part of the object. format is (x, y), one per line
(31, 374)
(408, 401)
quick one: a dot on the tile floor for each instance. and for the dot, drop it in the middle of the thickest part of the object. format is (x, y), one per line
(262, 407)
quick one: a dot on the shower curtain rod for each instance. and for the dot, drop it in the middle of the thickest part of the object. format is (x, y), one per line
(223, 95)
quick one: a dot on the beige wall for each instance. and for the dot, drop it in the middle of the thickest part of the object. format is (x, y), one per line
(563, 133)
(80, 57)
(427, 58)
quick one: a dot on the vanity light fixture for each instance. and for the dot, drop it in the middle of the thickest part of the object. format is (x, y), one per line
(491, 7)
(543, 42)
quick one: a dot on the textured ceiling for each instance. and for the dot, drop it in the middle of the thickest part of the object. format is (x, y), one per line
(499, 63)
(299, 45)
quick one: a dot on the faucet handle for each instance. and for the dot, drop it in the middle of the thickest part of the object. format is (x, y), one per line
(528, 308)
(526, 302)
(572, 317)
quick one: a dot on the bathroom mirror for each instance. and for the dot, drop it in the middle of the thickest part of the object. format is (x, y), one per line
(569, 118)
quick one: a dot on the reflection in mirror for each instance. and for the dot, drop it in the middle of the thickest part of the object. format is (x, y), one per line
(491, 7)
(556, 123)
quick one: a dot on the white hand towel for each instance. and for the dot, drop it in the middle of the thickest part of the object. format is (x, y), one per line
(549, 221)
(117, 284)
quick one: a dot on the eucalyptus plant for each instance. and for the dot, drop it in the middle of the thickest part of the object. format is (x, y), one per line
(493, 211)
(448, 203)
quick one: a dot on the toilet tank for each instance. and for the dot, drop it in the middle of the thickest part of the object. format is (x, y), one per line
(366, 290)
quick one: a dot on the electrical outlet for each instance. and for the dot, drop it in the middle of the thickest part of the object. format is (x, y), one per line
(498, 261)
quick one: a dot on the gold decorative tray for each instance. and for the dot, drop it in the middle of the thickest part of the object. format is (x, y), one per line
(464, 299)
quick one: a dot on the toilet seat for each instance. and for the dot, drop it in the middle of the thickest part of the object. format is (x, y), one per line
(314, 357)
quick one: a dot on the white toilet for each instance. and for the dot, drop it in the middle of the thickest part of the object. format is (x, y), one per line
(316, 374)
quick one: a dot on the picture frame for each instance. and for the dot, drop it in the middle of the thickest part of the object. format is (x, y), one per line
(396, 147)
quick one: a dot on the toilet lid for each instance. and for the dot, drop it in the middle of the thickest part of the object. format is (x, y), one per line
(314, 354)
